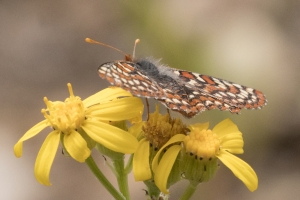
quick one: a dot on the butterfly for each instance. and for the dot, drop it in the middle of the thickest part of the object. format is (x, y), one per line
(182, 91)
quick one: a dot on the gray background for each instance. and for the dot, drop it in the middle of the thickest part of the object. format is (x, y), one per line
(254, 43)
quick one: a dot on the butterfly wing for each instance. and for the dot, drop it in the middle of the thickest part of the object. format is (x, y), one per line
(124, 74)
(185, 92)
(217, 93)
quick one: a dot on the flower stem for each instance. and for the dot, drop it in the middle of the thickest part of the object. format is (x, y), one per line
(122, 177)
(152, 189)
(189, 191)
(100, 176)
(128, 167)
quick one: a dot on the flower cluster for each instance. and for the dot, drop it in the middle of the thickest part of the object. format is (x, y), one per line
(164, 150)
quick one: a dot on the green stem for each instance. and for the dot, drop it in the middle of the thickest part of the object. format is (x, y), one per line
(189, 191)
(152, 189)
(128, 167)
(100, 176)
(122, 177)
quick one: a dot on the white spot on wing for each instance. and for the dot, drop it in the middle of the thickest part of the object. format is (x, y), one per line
(241, 96)
(240, 100)
(208, 103)
(243, 92)
(136, 81)
(250, 90)
(231, 94)
(119, 70)
(141, 87)
(101, 71)
(115, 75)
(145, 84)
(223, 94)
(125, 68)
(193, 82)
(103, 68)
(125, 74)
(217, 103)
(176, 101)
(218, 95)
(237, 85)
(185, 103)
(227, 83)
(200, 79)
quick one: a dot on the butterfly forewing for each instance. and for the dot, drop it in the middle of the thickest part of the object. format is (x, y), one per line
(124, 74)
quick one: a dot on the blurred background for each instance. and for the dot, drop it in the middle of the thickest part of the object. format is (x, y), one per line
(254, 43)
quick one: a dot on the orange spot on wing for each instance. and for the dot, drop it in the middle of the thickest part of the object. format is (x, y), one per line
(127, 66)
(207, 79)
(187, 75)
(233, 90)
(110, 79)
(210, 88)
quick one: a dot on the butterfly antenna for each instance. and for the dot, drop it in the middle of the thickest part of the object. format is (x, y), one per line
(134, 47)
(89, 40)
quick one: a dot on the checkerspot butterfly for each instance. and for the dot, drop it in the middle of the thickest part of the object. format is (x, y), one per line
(182, 91)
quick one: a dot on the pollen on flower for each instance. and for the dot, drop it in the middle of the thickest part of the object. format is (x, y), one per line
(65, 116)
(160, 128)
(203, 144)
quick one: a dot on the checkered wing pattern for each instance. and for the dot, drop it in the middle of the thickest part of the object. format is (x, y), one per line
(185, 92)
(125, 75)
(206, 93)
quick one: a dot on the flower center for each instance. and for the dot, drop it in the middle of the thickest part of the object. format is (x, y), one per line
(203, 144)
(160, 128)
(65, 116)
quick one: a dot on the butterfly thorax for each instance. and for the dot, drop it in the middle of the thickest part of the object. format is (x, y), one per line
(158, 73)
(147, 67)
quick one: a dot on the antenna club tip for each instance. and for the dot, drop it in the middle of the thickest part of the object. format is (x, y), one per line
(137, 41)
(88, 40)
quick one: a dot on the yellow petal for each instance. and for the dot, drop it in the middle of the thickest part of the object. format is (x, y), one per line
(174, 139)
(117, 110)
(200, 126)
(141, 166)
(136, 129)
(233, 143)
(45, 158)
(76, 146)
(164, 168)
(111, 137)
(105, 95)
(226, 127)
(240, 169)
(29, 134)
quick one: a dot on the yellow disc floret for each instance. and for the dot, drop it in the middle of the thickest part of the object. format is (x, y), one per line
(200, 162)
(203, 144)
(65, 116)
(160, 128)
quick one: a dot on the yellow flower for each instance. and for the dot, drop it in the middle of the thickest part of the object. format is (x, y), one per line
(153, 134)
(79, 124)
(200, 151)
